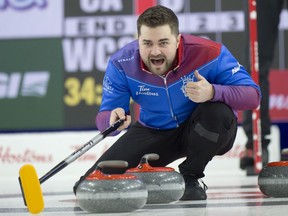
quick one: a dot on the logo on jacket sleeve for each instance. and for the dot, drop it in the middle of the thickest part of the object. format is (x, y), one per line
(236, 68)
(185, 80)
(144, 90)
(107, 85)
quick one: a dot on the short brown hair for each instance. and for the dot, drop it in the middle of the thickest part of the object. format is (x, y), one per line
(158, 16)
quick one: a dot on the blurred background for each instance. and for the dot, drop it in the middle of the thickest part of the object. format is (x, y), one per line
(53, 55)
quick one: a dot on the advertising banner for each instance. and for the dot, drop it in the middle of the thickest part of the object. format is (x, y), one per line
(53, 54)
(31, 84)
(279, 95)
(30, 19)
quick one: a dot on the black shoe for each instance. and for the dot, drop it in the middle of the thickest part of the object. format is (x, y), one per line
(193, 190)
(247, 161)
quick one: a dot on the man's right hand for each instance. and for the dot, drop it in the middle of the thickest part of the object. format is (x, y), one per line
(119, 113)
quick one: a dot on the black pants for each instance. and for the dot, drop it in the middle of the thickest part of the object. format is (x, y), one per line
(209, 131)
(268, 17)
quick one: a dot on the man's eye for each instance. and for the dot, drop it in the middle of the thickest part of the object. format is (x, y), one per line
(147, 44)
(163, 43)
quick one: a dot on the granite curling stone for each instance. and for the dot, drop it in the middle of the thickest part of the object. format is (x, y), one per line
(164, 184)
(273, 179)
(103, 193)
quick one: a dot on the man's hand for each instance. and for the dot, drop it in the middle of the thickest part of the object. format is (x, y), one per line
(200, 91)
(119, 113)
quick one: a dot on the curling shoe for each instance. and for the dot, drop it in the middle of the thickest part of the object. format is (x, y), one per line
(193, 189)
(247, 161)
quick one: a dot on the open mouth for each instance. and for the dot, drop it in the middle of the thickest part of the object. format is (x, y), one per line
(158, 61)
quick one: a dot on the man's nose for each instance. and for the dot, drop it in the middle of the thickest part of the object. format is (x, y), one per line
(155, 50)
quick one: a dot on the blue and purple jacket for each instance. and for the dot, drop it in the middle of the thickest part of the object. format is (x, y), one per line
(162, 100)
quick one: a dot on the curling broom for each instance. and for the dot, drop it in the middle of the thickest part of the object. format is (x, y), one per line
(30, 184)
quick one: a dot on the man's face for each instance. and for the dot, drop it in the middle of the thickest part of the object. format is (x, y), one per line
(158, 48)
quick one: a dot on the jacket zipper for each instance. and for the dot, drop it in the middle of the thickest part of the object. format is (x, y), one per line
(169, 99)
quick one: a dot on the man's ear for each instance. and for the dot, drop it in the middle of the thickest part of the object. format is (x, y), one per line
(178, 40)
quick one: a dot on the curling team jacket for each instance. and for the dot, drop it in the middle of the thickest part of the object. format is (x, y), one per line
(162, 99)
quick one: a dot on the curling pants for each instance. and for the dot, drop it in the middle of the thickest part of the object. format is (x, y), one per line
(209, 131)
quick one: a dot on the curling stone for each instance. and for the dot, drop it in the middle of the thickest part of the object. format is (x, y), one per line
(273, 179)
(103, 193)
(164, 184)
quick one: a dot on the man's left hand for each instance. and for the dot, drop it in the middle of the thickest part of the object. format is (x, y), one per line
(199, 91)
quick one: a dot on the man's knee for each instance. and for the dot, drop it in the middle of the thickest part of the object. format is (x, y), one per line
(214, 115)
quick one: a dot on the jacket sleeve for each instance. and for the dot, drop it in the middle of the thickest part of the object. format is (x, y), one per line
(115, 94)
(233, 85)
(237, 97)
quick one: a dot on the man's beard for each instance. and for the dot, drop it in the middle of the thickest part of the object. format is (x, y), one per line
(156, 70)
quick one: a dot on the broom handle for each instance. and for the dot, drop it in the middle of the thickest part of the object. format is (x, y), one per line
(76, 154)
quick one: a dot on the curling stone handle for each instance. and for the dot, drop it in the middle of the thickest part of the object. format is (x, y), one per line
(76, 154)
(149, 157)
(112, 164)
